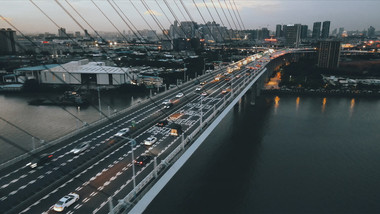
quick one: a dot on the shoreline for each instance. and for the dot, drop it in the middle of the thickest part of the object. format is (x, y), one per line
(322, 92)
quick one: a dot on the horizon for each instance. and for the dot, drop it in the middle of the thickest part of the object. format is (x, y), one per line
(254, 14)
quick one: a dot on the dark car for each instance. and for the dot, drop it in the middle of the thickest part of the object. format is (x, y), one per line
(143, 160)
(40, 160)
(169, 105)
(162, 123)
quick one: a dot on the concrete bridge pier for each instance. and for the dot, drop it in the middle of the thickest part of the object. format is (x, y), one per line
(259, 85)
(253, 94)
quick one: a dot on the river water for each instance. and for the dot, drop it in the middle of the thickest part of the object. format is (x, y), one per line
(287, 154)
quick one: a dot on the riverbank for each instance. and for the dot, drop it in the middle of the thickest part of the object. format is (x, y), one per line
(323, 92)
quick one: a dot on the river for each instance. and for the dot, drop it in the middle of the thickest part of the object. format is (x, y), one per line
(287, 154)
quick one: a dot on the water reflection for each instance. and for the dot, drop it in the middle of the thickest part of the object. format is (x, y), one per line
(297, 103)
(276, 103)
(324, 104)
(352, 106)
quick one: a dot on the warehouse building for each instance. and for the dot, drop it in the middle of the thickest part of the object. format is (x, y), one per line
(78, 73)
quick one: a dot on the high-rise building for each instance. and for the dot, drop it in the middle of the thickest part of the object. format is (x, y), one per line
(328, 54)
(293, 35)
(7, 41)
(371, 32)
(340, 32)
(62, 32)
(316, 30)
(278, 31)
(304, 29)
(86, 34)
(284, 27)
(188, 29)
(325, 30)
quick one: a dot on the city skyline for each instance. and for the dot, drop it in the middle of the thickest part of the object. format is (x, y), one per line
(255, 14)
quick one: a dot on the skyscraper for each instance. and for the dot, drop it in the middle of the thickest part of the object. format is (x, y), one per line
(278, 31)
(304, 31)
(328, 54)
(316, 30)
(326, 29)
(340, 32)
(284, 27)
(7, 41)
(62, 32)
(293, 35)
(371, 32)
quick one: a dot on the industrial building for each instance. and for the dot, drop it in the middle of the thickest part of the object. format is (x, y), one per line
(80, 72)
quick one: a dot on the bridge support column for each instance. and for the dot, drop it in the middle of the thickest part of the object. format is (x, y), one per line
(253, 94)
(259, 85)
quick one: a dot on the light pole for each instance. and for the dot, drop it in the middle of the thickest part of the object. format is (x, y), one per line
(132, 142)
(184, 72)
(100, 106)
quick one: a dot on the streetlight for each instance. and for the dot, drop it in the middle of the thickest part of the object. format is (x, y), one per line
(184, 72)
(132, 142)
(100, 106)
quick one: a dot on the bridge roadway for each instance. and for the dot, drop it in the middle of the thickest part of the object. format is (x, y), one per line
(105, 170)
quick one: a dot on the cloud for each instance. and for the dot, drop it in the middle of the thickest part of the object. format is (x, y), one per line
(153, 12)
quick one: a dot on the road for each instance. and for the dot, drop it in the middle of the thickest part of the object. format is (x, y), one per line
(105, 168)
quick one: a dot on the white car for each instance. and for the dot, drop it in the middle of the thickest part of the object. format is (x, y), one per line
(204, 94)
(122, 132)
(198, 88)
(166, 102)
(80, 148)
(66, 202)
(150, 140)
(179, 95)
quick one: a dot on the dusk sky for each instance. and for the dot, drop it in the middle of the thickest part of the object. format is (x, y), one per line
(352, 15)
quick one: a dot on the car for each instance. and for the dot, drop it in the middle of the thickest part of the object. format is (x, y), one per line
(204, 93)
(169, 105)
(203, 83)
(179, 95)
(166, 102)
(122, 132)
(238, 76)
(41, 160)
(224, 91)
(111, 141)
(198, 89)
(80, 148)
(150, 141)
(66, 201)
(143, 160)
(162, 123)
